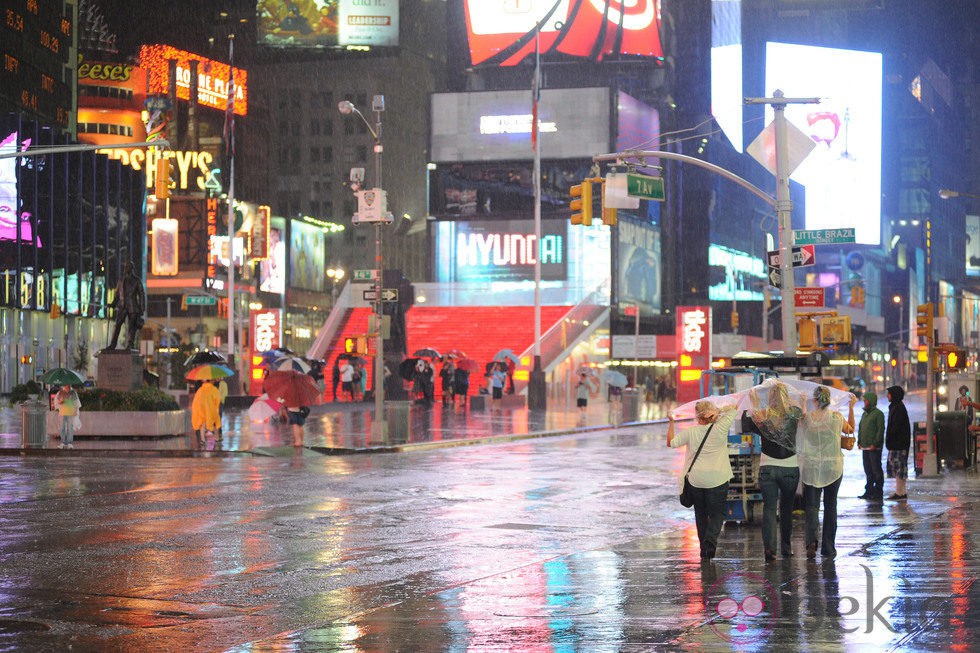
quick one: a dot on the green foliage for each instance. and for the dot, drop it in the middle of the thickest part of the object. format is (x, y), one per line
(24, 391)
(144, 399)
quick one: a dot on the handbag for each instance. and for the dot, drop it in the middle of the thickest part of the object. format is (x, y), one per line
(687, 494)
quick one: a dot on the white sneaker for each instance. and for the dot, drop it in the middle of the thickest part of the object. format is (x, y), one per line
(61, 446)
(71, 446)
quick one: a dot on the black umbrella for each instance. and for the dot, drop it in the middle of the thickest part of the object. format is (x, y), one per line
(427, 352)
(204, 357)
(406, 369)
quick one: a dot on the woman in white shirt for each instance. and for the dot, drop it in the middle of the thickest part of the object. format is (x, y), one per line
(711, 472)
(818, 448)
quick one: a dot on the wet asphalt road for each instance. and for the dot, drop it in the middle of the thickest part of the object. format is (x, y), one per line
(572, 543)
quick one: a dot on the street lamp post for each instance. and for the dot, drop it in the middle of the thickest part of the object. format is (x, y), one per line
(347, 107)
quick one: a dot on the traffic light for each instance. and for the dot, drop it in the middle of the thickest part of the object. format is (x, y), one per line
(608, 214)
(956, 359)
(162, 187)
(581, 204)
(356, 345)
(734, 320)
(857, 296)
(806, 327)
(923, 318)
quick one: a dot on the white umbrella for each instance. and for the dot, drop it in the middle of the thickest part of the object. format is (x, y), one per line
(263, 408)
(291, 363)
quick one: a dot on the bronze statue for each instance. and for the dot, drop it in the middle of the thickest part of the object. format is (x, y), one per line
(130, 303)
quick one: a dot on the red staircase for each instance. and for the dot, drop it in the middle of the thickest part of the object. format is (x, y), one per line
(479, 331)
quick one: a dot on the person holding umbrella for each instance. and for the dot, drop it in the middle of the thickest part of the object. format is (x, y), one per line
(206, 410)
(68, 405)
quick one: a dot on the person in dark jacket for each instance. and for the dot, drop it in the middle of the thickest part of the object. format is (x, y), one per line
(871, 441)
(898, 440)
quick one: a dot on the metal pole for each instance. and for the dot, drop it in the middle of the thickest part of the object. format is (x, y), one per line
(378, 427)
(231, 214)
(784, 220)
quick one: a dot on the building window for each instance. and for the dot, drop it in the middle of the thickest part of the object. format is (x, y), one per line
(314, 155)
(315, 127)
(296, 129)
(328, 154)
(284, 128)
(361, 153)
(294, 156)
(328, 128)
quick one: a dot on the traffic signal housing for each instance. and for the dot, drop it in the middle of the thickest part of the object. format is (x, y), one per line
(806, 328)
(608, 214)
(924, 319)
(356, 345)
(581, 204)
(162, 187)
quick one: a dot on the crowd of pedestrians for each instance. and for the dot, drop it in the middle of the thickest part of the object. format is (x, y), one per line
(803, 443)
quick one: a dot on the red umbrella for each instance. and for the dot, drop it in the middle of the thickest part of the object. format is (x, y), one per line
(455, 353)
(292, 388)
(467, 364)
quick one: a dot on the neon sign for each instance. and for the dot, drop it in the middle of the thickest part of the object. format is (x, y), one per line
(212, 77)
(506, 249)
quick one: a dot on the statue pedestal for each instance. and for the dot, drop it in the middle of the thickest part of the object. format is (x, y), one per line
(120, 369)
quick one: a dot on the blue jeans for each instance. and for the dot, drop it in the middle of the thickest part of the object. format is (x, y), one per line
(778, 485)
(709, 516)
(875, 487)
(67, 429)
(811, 503)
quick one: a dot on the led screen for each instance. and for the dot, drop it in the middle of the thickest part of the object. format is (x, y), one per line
(272, 269)
(328, 23)
(15, 222)
(973, 246)
(726, 68)
(499, 250)
(842, 176)
(496, 126)
(638, 126)
(307, 253)
(502, 31)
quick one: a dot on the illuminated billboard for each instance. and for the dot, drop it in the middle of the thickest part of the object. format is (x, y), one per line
(496, 126)
(502, 31)
(499, 250)
(212, 77)
(307, 255)
(272, 269)
(328, 23)
(842, 176)
(726, 68)
(15, 223)
(639, 267)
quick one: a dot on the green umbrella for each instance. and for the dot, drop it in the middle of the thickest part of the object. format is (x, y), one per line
(61, 376)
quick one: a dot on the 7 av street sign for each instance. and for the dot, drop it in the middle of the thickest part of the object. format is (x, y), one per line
(802, 257)
(387, 295)
(823, 236)
(646, 187)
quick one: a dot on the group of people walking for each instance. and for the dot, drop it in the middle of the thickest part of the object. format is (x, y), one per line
(803, 440)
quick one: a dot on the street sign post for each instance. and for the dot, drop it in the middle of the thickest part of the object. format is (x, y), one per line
(200, 300)
(809, 297)
(646, 187)
(803, 256)
(364, 275)
(823, 236)
(387, 295)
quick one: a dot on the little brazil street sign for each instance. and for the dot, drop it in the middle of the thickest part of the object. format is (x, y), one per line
(823, 236)
(387, 295)
(650, 188)
(365, 275)
(200, 300)
(802, 257)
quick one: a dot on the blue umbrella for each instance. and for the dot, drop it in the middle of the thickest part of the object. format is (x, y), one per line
(614, 378)
(505, 354)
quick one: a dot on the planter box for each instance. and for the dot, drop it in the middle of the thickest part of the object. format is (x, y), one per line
(126, 424)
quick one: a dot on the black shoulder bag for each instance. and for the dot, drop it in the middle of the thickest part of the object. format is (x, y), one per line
(687, 494)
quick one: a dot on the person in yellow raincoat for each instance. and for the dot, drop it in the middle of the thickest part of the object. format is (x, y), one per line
(205, 410)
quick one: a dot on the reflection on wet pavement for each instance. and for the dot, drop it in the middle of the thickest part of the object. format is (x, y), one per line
(575, 543)
(343, 427)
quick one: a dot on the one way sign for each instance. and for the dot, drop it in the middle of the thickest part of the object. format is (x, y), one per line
(803, 256)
